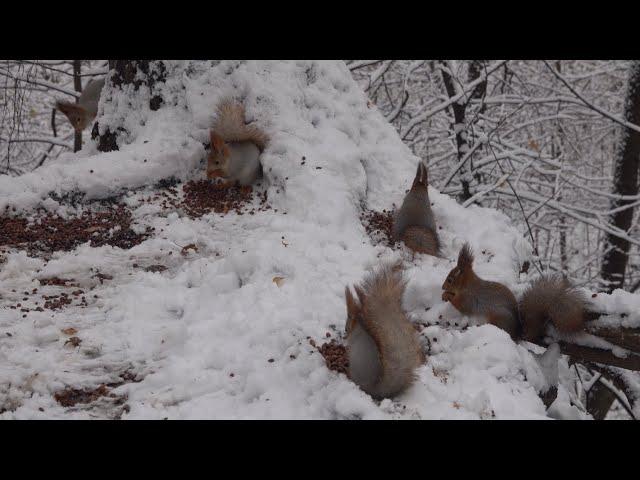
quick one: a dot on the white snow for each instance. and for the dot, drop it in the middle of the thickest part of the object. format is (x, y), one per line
(202, 332)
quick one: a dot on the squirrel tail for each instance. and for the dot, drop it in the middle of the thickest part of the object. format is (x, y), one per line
(68, 107)
(422, 177)
(383, 332)
(551, 298)
(230, 125)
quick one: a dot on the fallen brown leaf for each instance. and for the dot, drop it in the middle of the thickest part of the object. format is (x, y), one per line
(186, 248)
(75, 341)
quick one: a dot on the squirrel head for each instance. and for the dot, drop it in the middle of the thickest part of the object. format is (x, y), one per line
(460, 275)
(218, 159)
(354, 309)
(77, 115)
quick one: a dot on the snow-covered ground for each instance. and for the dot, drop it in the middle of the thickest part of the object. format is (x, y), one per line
(213, 336)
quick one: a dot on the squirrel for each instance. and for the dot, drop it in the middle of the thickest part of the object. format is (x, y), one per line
(82, 114)
(235, 146)
(554, 299)
(414, 223)
(382, 346)
(549, 298)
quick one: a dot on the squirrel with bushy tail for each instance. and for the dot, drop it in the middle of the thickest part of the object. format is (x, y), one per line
(549, 299)
(382, 346)
(82, 114)
(414, 222)
(236, 146)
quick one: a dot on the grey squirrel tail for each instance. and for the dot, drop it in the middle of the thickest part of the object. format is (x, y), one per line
(383, 346)
(551, 298)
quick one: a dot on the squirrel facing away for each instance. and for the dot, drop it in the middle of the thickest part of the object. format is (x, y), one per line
(549, 298)
(382, 345)
(414, 223)
(82, 114)
(235, 146)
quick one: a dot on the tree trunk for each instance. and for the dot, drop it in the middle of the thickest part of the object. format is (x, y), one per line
(459, 130)
(77, 85)
(556, 147)
(625, 182)
(130, 72)
(475, 70)
(459, 119)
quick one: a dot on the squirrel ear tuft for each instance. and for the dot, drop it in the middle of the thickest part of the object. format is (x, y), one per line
(425, 174)
(361, 295)
(421, 177)
(465, 257)
(352, 306)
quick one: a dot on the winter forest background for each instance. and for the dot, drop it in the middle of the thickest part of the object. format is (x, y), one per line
(553, 144)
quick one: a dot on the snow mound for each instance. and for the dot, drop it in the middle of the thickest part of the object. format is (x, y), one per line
(213, 335)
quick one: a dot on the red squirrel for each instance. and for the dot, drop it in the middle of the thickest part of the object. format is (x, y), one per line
(414, 223)
(82, 114)
(382, 345)
(235, 146)
(550, 298)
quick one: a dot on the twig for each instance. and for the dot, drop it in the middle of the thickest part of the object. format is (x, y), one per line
(500, 181)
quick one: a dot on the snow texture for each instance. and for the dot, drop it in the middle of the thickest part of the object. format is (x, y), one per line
(201, 334)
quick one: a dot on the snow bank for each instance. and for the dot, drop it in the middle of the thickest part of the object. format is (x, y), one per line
(213, 335)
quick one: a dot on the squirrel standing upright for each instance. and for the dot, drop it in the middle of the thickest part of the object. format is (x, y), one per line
(550, 298)
(235, 146)
(414, 223)
(382, 345)
(82, 114)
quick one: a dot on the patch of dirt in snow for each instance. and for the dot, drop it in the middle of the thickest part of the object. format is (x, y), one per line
(155, 268)
(49, 233)
(57, 281)
(379, 225)
(335, 356)
(202, 197)
(55, 301)
(70, 397)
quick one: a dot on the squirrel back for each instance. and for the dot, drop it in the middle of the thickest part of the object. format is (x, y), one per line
(414, 223)
(471, 295)
(235, 146)
(383, 346)
(551, 298)
(82, 114)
